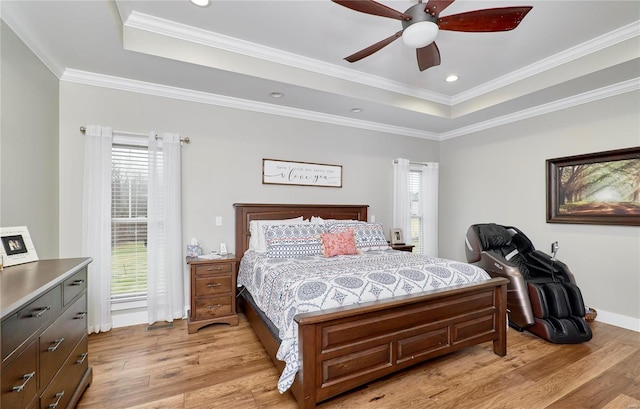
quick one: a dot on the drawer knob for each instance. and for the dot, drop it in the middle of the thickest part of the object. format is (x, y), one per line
(59, 396)
(214, 268)
(210, 307)
(41, 311)
(83, 357)
(56, 344)
(26, 378)
(77, 282)
(214, 285)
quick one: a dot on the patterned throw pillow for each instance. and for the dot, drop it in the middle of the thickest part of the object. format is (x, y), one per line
(334, 244)
(369, 236)
(294, 240)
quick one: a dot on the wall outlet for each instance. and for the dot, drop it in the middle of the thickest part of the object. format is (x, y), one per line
(218, 220)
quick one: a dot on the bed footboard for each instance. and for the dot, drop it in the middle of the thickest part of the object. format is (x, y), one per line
(349, 347)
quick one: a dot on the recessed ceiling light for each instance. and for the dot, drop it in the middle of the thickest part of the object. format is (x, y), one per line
(201, 3)
(452, 78)
(276, 94)
(356, 110)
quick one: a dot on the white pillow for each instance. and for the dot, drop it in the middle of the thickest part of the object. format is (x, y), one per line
(257, 241)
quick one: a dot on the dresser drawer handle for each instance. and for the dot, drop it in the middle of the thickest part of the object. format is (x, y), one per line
(83, 356)
(210, 307)
(41, 311)
(77, 282)
(214, 285)
(59, 396)
(81, 315)
(212, 268)
(26, 378)
(58, 341)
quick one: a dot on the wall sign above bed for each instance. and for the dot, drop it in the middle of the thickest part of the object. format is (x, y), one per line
(279, 172)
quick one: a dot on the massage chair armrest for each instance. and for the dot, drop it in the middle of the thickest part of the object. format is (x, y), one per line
(542, 261)
(497, 266)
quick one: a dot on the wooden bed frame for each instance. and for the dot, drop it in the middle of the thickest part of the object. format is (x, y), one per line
(346, 347)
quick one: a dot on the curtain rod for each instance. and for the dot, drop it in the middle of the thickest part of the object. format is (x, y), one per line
(184, 139)
(414, 163)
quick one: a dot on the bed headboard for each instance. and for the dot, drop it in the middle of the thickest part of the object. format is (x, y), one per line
(245, 212)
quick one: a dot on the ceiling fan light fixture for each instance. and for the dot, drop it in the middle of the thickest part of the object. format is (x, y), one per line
(420, 34)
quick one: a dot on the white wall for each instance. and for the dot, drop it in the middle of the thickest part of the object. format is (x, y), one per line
(498, 176)
(223, 163)
(28, 145)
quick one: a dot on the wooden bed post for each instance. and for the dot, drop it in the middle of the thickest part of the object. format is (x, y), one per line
(500, 343)
(307, 372)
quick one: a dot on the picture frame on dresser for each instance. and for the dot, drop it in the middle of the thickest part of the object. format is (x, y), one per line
(16, 246)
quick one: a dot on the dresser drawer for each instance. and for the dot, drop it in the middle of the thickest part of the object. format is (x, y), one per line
(213, 285)
(20, 326)
(19, 379)
(57, 341)
(213, 268)
(74, 285)
(63, 386)
(212, 307)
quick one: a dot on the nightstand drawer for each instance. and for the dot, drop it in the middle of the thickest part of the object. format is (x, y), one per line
(214, 268)
(212, 307)
(213, 285)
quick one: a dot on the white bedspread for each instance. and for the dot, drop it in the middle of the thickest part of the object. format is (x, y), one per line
(283, 287)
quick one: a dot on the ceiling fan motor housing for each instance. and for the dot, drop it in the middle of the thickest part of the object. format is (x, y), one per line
(418, 14)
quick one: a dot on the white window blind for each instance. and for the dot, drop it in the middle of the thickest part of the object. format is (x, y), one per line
(415, 190)
(129, 181)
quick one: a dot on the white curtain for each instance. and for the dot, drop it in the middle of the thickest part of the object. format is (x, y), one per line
(402, 198)
(165, 296)
(96, 224)
(429, 201)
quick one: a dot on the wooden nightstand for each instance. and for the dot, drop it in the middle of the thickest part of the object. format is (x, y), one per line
(213, 292)
(403, 247)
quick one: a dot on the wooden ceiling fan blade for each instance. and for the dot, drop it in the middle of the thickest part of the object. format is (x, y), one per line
(372, 7)
(435, 7)
(488, 20)
(373, 48)
(428, 56)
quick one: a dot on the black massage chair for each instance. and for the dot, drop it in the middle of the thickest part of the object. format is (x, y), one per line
(542, 295)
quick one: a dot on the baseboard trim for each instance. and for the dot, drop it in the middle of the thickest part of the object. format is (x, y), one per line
(619, 320)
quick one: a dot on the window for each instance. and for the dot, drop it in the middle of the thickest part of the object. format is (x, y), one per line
(415, 191)
(129, 178)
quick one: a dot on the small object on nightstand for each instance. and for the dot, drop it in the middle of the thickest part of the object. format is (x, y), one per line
(213, 291)
(403, 247)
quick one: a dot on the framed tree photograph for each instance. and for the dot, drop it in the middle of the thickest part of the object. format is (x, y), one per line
(595, 188)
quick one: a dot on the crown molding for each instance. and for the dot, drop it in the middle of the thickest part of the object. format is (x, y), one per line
(18, 26)
(569, 102)
(123, 84)
(582, 50)
(196, 35)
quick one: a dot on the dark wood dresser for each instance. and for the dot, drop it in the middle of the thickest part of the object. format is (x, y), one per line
(213, 292)
(44, 334)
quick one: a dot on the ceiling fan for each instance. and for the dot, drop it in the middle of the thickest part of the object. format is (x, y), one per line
(421, 22)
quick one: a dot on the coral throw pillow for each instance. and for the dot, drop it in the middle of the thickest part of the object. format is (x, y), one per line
(338, 243)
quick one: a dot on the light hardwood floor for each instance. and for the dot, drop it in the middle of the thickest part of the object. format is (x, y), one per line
(226, 367)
